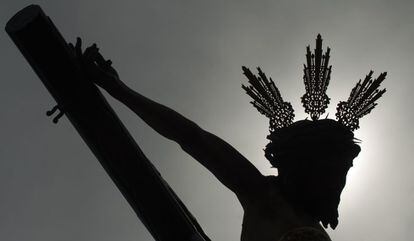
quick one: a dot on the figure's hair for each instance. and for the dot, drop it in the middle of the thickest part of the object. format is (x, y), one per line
(312, 146)
(307, 139)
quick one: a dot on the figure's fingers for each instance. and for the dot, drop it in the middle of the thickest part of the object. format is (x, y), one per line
(100, 60)
(73, 51)
(78, 46)
(91, 53)
(105, 64)
(96, 63)
(71, 47)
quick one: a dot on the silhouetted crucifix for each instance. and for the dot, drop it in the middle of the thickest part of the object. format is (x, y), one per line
(312, 156)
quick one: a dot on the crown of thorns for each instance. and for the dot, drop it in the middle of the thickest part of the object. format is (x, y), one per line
(317, 74)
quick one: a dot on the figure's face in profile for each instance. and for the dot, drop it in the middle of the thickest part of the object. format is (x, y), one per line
(323, 182)
(322, 174)
(318, 182)
(329, 174)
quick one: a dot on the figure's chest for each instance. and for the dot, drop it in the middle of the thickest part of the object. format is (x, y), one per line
(267, 219)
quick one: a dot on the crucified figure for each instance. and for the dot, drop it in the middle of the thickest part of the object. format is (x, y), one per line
(312, 156)
(289, 206)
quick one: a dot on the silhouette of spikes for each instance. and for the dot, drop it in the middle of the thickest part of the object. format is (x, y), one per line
(317, 73)
(267, 99)
(361, 101)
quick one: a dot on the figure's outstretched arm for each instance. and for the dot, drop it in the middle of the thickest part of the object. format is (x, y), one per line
(226, 163)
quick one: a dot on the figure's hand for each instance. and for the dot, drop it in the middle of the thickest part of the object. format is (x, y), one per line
(94, 65)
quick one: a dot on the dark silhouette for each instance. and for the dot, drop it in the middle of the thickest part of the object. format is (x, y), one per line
(312, 156)
(155, 203)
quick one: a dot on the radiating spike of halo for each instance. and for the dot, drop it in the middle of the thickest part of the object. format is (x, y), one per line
(271, 89)
(263, 110)
(354, 91)
(267, 99)
(317, 74)
(374, 85)
(358, 96)
(252, 93)
(361, 101)
(366, 110)
(271, 96)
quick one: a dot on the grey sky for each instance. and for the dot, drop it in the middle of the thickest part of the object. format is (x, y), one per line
(188, 55)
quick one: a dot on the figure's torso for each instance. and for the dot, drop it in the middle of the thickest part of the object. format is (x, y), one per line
(268, 215)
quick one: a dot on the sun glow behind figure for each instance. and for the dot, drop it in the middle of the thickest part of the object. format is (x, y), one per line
(189, 47)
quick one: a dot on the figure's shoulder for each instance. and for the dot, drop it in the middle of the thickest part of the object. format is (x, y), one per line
(264, 194)
(272, 180)
(272, 186)
(305, 234)
(265, 185)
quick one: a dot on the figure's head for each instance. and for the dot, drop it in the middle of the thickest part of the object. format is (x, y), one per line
(313, 159)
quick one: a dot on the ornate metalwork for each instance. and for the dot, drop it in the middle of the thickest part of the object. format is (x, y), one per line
(316, 79)
(361, 101)
(267, 99)
(317, 74)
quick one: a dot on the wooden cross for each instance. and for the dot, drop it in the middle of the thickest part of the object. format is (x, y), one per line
(155, 203)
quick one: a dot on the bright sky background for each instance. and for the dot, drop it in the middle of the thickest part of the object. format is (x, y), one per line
(188, 56)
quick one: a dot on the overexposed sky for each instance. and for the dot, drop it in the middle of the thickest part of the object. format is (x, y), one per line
(188, 56)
